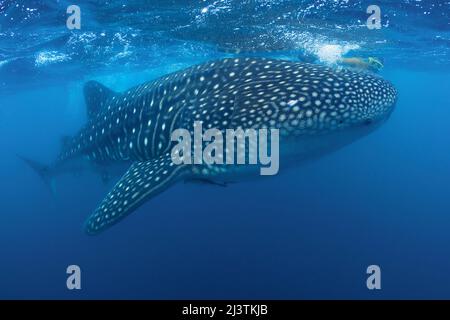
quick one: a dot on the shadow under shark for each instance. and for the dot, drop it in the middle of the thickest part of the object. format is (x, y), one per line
(316, 109)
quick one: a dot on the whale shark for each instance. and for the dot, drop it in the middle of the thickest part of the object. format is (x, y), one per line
(316, 109)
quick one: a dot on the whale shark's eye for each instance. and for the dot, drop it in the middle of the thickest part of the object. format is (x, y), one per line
(368, 122)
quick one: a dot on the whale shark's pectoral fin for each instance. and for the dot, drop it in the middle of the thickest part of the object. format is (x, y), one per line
(142, 181)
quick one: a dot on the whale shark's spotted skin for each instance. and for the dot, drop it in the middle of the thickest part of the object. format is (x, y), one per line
(304, 101)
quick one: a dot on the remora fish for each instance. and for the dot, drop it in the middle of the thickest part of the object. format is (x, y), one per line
(317, 110)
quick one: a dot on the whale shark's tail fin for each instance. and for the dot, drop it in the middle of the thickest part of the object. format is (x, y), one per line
(42, 170)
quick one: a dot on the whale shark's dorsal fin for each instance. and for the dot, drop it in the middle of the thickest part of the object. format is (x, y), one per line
(142, 181)
(96, 96)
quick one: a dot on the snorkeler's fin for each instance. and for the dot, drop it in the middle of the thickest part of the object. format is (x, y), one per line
(142, 181)
(43, 171)
(375, 64)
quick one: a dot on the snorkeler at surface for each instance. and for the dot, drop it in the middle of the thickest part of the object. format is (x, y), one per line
(369, 64)
(366, 64)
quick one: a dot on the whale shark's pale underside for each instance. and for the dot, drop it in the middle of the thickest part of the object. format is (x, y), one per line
(317, 110)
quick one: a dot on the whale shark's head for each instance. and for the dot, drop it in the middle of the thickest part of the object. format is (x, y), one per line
(365, 101)
(313, 103)
(314, 100)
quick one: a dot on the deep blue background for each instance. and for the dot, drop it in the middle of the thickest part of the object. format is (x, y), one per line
(310, 233)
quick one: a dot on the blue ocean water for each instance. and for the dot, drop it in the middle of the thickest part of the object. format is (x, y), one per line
(307, 234)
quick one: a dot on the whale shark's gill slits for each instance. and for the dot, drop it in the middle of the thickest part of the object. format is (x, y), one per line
(156, 126)
(175, 124)
(146, 135)
(169, 102)
(148, 119)
(100, 155)
(140, 133)
(108, 155)
(142, 181)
